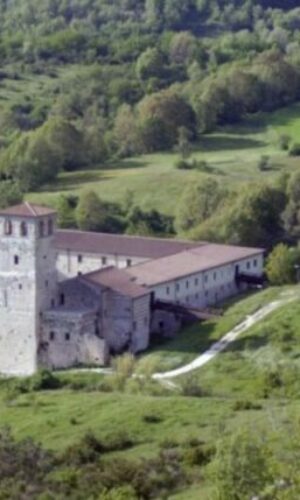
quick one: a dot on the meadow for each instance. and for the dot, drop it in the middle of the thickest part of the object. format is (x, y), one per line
(253, 385)
(232, 153)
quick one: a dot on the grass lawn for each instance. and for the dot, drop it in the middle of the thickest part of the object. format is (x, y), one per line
(232, 152)
(197, 338)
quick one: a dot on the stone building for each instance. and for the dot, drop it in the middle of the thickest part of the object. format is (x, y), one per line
(72, 297)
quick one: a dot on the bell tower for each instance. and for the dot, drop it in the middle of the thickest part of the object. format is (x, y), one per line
(28, 283)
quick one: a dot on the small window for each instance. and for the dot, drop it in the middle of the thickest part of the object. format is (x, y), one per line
(62, 299)
(215, 276)
(206, 294)
(248, 265)
(104, 261)
(187, 284)
(8, 229)
(23, 229)
(255, 263)
(67, 337)
(134, 326)
(50, 227)
(168, 290)
(16, 260)
(79, 259)
(52, 336)
(79, 273)
(42, 228)
(46, 283)
(196, 281)
(206, 279)
(20, 286)
(197, 296)
(177, 287)
(128, 262)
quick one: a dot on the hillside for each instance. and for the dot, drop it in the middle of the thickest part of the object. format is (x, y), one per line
(254, 383)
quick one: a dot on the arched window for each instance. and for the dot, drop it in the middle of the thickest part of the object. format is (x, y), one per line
(8, 229)
(42, 228)
(23, 229)
(50, 227)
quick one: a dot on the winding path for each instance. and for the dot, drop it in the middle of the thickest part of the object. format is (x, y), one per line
(222, 344)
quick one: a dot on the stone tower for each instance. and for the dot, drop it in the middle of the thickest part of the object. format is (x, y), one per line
(28, 283)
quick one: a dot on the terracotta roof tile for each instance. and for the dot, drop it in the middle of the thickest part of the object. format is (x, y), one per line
(27, 210)
(119, 244)
(189, 262)
(116, 279)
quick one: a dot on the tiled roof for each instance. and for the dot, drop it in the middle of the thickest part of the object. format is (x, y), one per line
(119, 244)
(27, 210)
(189, 262)
(116, 279)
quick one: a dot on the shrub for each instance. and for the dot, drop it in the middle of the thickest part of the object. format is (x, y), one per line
(295, 149)
(264, 163)
(241, 405)
(199, 455)
(183, 164)
(191, 388)
(152, 418)
(284, 142)
(44, 380)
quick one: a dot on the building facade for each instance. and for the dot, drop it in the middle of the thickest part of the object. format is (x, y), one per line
(70, 297)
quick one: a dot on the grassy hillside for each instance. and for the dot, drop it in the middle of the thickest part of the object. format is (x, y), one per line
(251, 385)
(233, 154)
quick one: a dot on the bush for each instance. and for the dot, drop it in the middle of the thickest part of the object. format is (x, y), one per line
(242, 405)
(264, 163)
(183, 164)
(44, 380)
(191, 388)
(199, 455)
(284, 142)
(295, 149)
(152, 418)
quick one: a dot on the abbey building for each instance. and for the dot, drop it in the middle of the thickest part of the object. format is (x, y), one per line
(70, 297)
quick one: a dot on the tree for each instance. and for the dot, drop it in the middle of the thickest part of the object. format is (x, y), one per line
(291, 214)
(282, 264)
(184, 145)
(198, 202)
(183, 47)
(126, 133)
(150, 64)
(65, 207)
(170, 109)
(242, 468)
(93, 214)
(10, 194)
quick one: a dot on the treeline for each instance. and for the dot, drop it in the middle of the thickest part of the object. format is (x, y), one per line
(144, 70)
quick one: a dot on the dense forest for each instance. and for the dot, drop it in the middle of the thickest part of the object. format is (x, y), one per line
(145, 76)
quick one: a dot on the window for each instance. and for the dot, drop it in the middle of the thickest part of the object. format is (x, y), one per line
(248, 265)
(168, 290)
(20, 286)
(128, 262)
(8, 229)
(206, 278)
(62, 299)
(23, 229)
(16, 260)
(79, 259)
(42, 228)
(187, 284)
(196, 281)
(197, 296)
(52, 336)
(255, 263)
(215, 276)
(50, 227)
(177, 287)
(67, 337)
(134, 325)
(46, 283)
(104, 261)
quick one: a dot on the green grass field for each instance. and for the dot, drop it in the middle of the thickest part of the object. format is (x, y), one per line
(233, 153)
(234, 394)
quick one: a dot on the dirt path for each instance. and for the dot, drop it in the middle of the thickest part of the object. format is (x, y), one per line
(222, 344)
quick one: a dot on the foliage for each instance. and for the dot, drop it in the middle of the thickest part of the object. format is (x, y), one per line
(242, 467)
(282, 263)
